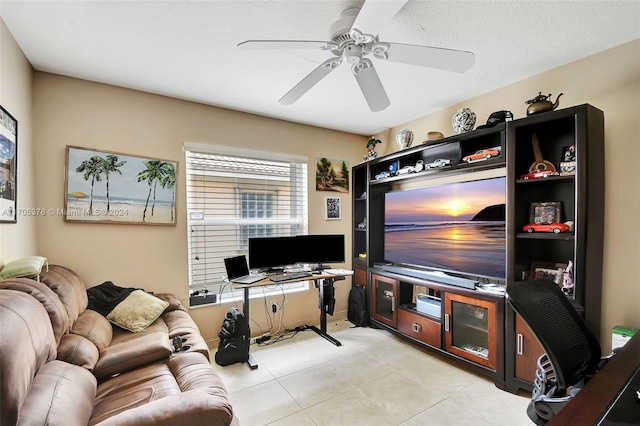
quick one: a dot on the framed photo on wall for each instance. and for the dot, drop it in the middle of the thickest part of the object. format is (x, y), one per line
(8, 167)
(332, 208)
(111, 187)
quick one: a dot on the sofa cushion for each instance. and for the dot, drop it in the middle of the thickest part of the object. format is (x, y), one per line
(27, 344)
(137, 311)
(133, 389)
(61, 394)
(128, 355)
(26, 267)
(50, 301)
(79, 351)
(185, 390)
(94, 327)
(192, 408)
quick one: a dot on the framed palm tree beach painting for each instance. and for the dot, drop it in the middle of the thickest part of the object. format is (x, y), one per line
(111, 187)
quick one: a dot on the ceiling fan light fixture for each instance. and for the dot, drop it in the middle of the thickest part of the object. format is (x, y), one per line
(379, 50)
(361, 38)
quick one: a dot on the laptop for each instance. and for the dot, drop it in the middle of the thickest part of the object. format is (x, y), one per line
(238, 271)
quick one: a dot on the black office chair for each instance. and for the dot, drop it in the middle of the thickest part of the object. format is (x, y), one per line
(572, 352)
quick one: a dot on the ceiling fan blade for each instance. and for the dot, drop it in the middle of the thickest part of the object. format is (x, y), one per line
(425, 56)
(282, 44)
(375, 14)
(370, 85)
(309, 81)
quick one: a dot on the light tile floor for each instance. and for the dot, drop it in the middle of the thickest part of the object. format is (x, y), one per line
(374, 378)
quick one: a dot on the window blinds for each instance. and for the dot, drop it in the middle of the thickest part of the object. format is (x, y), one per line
(233, 195)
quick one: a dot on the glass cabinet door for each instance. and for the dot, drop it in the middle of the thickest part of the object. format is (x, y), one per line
(383, 300)
(470, 328)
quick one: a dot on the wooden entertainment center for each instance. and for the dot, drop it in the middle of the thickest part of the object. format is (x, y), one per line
(468, 324)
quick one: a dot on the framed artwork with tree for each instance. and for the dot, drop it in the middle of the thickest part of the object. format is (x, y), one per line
(332, 175)
(111, 187)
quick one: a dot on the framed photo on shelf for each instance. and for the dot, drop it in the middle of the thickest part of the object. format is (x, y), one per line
(332, 208)
(547, 212)
(568, 153)
(8, 167)
(547, 271)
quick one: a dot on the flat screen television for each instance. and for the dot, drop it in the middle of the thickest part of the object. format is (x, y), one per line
(455, 228)
(317, 250)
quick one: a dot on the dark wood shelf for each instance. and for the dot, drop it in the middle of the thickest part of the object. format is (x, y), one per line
(546, 236)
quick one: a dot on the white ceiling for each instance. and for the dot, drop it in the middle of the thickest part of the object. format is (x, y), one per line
(187, 50)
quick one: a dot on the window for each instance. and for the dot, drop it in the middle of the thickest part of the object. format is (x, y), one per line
(234, 195)
(256, 205)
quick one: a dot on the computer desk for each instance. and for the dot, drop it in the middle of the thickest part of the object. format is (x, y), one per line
(609, 397)
(330, 276)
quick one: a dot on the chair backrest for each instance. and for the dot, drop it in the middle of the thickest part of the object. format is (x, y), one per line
(574, 352)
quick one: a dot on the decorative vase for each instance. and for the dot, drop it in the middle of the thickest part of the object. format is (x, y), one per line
(463, 120)
(404, 138)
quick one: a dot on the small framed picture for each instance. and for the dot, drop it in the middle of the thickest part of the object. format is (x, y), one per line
(548, 271)
(332, 208)
(547, 212)
(568, 154)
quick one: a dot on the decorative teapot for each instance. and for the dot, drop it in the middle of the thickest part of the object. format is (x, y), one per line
(542, 103)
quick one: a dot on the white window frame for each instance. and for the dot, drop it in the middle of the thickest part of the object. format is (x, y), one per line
(201, 220)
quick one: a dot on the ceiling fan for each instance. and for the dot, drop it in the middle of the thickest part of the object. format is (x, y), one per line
(353, 37)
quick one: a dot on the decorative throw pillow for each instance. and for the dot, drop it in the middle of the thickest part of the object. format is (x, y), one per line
(137, 311)
(25, 267)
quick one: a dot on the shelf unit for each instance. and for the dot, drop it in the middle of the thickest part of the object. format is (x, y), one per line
(582, 201)
(508, 349)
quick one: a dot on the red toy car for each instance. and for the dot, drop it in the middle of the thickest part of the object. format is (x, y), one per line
(555, 227)
(539, 174)
(483, 154)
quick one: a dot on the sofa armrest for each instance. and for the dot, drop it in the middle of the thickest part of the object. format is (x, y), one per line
(133, 353)
(192, 408)
(172, 299)
(79, 351)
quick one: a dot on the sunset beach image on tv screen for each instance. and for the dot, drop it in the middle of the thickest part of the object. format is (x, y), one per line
(458, 227)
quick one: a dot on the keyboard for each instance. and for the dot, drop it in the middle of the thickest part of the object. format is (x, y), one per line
(289, 276)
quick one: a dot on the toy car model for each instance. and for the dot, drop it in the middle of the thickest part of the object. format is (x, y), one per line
(555, 227)
(406, 170)
(539, 174)
(440, 162)
(383, 174)
(483, 154)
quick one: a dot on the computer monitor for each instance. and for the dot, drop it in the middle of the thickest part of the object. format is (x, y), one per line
(275, 252)
(320, 249)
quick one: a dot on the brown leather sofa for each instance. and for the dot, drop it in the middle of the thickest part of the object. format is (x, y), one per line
(63, 364)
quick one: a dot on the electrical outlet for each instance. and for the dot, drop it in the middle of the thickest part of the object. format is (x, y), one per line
(274, 306)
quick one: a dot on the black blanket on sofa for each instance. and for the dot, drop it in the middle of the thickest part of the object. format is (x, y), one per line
(106, 296)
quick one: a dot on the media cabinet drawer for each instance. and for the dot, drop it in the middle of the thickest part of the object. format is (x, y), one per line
(420, 328)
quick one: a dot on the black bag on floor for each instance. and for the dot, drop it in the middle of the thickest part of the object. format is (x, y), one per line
(234, 338)
(358, 312)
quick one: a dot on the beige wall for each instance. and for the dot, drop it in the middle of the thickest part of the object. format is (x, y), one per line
(609, 81)
(76, 112)
(16, 96)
